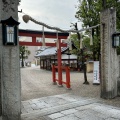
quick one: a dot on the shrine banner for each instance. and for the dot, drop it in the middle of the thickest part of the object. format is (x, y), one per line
(96, 73)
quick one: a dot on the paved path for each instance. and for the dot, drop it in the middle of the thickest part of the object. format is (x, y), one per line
(50, 101)
(41, 100)
(37, 83)
(68, 107)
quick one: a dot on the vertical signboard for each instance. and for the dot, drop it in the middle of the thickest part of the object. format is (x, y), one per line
(96, 73)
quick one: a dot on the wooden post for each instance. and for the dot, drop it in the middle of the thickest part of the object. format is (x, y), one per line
(53, 73)
(67, 76)
(59, 64)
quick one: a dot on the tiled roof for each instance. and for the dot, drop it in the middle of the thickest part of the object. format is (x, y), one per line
(53, 51)
(50, 51)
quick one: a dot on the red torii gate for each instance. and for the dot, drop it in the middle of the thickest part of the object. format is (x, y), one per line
(34, 34)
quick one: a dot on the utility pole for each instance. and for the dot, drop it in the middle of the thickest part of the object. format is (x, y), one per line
(83, 59)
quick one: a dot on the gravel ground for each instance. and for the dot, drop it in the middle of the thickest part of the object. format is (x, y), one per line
(37, 83)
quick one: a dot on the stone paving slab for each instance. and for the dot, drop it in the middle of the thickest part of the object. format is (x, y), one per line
(64, 102)
(48, 102)
(68, 117)
(74, 108)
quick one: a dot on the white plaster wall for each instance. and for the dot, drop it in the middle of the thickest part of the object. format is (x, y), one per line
(64, 56)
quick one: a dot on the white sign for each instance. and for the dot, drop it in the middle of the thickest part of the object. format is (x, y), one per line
(96, 73)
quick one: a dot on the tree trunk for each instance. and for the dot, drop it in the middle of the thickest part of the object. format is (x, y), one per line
(94, 57)
(83, 60)
(22, 60)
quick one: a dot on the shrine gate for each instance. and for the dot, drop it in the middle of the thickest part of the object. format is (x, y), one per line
(35, 34)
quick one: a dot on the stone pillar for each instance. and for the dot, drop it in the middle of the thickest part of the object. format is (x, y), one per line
(118, 83)
(109, 59)
(0, 59)
(10, 68)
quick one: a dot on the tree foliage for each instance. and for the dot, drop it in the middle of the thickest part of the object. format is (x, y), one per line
(86, 45)
(88, 12)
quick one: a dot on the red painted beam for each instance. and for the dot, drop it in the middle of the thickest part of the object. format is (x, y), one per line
(34, 34)
(46, 36)
(39, 44)
(31, 33)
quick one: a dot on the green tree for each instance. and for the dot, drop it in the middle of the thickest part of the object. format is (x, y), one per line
(89, 13)
(24, 52)
(115, 4)
(86, 46)
(81, 53)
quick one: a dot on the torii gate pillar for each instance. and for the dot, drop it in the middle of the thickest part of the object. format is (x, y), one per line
(109, 60)
(9, 68)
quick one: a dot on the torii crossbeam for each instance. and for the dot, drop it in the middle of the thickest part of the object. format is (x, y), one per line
(34, 34)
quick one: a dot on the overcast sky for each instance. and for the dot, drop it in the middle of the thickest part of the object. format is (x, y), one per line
(58, 13)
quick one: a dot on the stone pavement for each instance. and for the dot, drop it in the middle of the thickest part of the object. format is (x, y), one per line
(37, 83)
(68, 107)
(41, 100)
